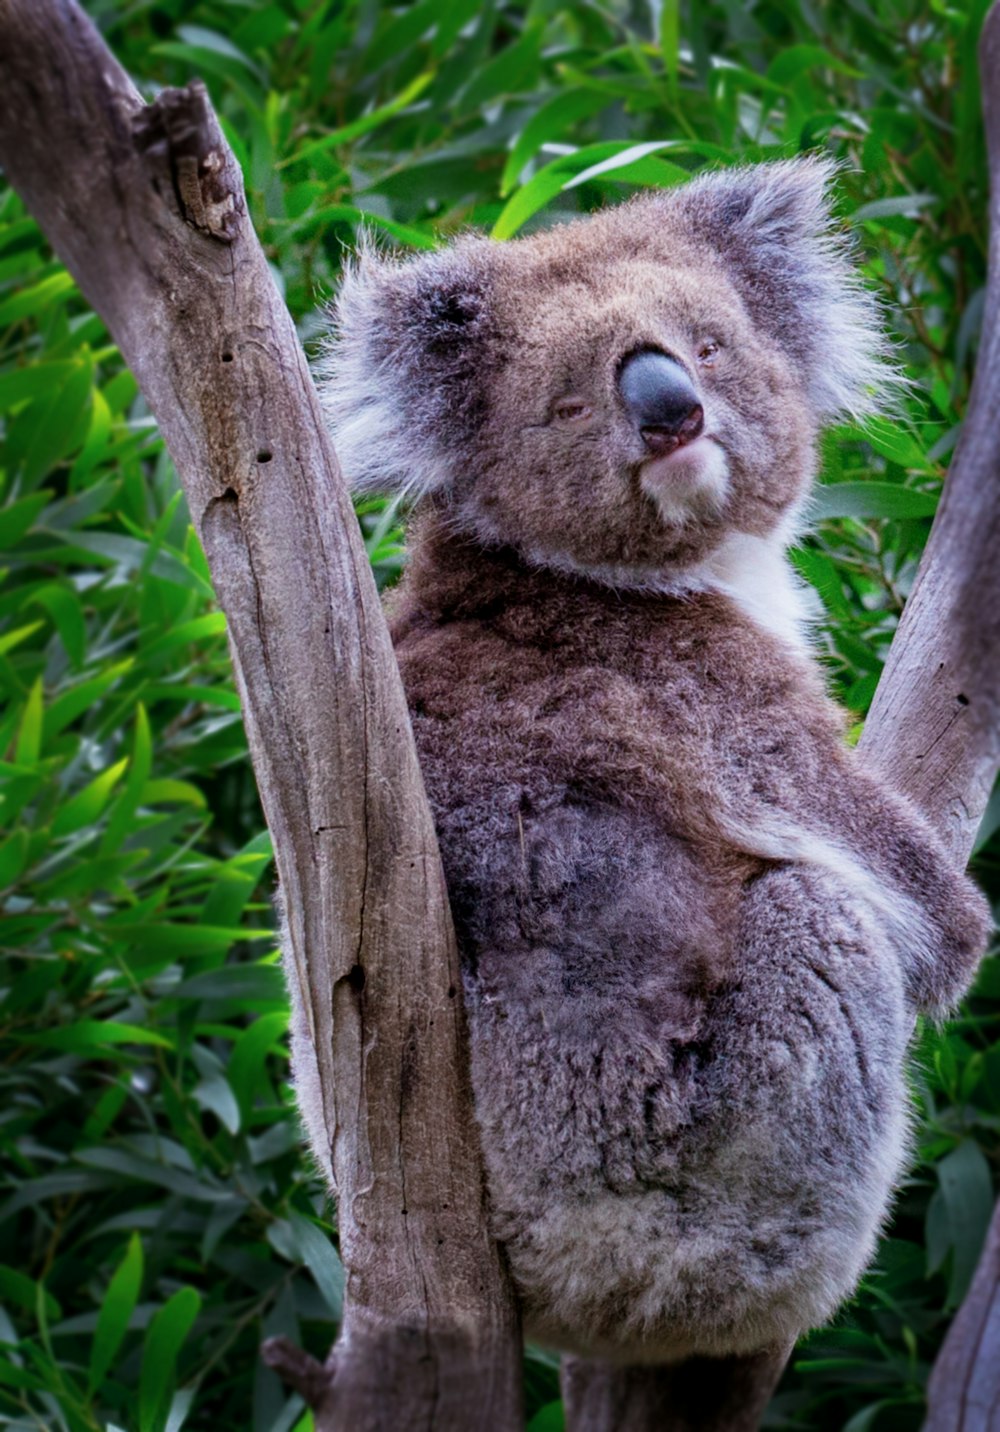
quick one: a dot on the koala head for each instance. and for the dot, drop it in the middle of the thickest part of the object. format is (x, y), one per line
(618, 394)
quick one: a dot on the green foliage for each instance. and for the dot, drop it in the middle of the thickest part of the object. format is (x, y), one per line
(159, 1216)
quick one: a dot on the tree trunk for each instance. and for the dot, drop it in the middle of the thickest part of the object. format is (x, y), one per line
(934, 725)
(145, 206)
(964, 1390)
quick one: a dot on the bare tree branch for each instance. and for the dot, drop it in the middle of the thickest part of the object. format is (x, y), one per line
(934, 726)
(951, 769)
(964, 1391)
(145, 205)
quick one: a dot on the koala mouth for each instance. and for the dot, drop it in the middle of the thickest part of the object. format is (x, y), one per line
(688, 480)
(660, 440)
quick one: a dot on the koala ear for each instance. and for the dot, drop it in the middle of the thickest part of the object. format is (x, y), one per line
(401, 379)
(771, 224)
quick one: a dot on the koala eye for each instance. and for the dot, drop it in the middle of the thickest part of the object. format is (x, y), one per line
(708, 353)
(572, 410)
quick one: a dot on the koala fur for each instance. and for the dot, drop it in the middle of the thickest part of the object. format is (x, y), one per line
(695, 929)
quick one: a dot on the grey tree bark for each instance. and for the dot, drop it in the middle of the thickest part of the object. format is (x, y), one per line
(145, 206)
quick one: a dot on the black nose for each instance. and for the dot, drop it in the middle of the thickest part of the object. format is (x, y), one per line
(661, 400)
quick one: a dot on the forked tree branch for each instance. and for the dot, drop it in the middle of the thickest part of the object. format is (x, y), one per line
(145, 206)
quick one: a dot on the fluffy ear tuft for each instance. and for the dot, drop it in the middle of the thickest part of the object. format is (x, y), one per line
(401, 377)
(772, 226)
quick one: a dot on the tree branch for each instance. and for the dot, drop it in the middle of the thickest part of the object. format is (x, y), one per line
(964, 1390)
(934, 725)
(950, 770)
(145, 205)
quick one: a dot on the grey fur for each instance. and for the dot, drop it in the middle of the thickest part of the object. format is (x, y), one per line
(695, 930)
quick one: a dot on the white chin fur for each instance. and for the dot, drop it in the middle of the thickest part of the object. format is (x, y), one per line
(752, 571)
(688, 484)
(756, 575)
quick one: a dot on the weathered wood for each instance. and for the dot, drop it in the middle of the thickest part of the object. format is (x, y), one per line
(934, 725)
(951, 769)
(964, 1390)
(145, 205)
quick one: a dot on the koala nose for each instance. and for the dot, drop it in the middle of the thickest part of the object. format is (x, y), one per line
(661, 400)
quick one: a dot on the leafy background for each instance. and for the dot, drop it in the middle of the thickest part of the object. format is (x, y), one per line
(158, 1216)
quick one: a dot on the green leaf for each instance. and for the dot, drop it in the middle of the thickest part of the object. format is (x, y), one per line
(215, 1094)
(34, 299)
(236, 882)
(550, 1418)
(166, 791)
(245, 1070)
(128, 802)
(18, 1288)
(97, 440)
(967, 1190)
(363, 125)
(209, 59)
(29, 736)
(63, 606)
(65, 708)
(185, 633)
(164, 1340)
(796, 60)
(128, 554)
(180, 938)
(17, 518)
(864, 1420)
(907, 205)
(13, 857)
(33, 381)
(670, 43)
(863, 500)
(86, 1035)
(514, 69)
(894, 441)
(116, 1313)
(548, 121)
(628, 164)
(84, 808)
(57, 427)
(560, 174)
(321, 1258)
(240, 983)
(204, 39)
(12, 639)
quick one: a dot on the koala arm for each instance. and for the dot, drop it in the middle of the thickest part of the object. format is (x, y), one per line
(942, 920)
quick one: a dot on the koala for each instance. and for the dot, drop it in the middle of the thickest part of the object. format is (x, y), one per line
(695, 929)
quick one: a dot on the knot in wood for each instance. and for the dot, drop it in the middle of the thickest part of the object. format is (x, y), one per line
(178, 140)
